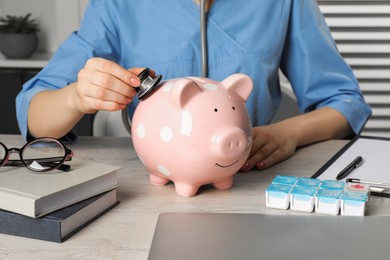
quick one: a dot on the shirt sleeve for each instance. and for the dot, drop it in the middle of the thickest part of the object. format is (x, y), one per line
(96, 37)
(318, 74)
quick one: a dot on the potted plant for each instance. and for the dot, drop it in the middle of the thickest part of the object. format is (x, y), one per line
(18, 36)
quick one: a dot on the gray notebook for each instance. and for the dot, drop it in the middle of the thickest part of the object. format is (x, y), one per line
(256, 236)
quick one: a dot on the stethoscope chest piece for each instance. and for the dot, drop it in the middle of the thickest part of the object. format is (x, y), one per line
(147, 83)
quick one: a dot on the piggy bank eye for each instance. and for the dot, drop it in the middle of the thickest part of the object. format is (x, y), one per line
(215, 109)
(233, 108)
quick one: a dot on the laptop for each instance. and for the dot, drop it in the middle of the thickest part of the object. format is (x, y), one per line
(256, 236)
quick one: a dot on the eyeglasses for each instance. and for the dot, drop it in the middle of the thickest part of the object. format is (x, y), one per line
(40, 155)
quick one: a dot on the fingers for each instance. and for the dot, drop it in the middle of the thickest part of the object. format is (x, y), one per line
(100, 91)
(268, 148)
(262, 154)
(105, 85)
(109, 67)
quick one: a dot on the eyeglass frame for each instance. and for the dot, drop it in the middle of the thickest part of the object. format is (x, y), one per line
(61, 166)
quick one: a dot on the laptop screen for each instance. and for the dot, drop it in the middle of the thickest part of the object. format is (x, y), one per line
(257, 236)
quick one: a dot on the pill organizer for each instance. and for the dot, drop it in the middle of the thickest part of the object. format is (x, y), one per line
(308, 182)
(279, 179)
(303, 194)
(278, 196)
(327, 201)
(357, 187)
(322, 196)
(332, 184)
(302, 198)
(354, 203)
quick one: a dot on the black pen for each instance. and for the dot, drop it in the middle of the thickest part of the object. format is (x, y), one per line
(347, 170)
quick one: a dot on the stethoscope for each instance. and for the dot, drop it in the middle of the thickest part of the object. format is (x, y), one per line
(148, 83)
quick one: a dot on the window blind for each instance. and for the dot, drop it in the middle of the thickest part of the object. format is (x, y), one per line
(362, 33)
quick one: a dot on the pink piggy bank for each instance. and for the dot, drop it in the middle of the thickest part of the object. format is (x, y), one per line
(194, 131)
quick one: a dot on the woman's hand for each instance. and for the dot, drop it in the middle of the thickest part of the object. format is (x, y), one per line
(104, 85)
(275, 143)
(271, 144)
(101, 85)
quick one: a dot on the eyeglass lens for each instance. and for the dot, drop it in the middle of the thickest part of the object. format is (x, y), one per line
(3, 153)
(43, 154)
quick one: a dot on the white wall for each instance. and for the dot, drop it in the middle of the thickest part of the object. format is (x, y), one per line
(57, 18)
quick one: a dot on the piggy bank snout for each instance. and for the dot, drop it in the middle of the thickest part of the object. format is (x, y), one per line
(230, 143)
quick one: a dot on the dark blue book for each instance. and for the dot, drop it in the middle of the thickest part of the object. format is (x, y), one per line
(61, 224)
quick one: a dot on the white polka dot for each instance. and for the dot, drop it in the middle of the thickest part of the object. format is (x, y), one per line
(141, 131)
(163, 170)
(210, 86)
(186, 123)
(166, 134)
(167, 87)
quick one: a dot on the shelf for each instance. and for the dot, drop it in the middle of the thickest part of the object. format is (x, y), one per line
(37, 60)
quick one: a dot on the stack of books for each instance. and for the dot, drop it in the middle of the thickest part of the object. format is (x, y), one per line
(55, 205)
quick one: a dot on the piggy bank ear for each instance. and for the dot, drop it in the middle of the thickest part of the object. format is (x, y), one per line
(240, 84)
(183, 91)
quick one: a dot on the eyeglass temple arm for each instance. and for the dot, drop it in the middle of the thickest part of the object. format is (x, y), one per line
(43, 161)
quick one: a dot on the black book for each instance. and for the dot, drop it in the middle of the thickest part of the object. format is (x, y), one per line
(61, 224)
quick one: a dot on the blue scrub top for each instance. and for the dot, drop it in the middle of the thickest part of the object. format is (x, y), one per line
(255, 37)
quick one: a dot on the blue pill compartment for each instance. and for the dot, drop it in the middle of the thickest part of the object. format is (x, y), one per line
(327, 201)
(302, 198)
(281, 179)
(278, 196)
(303, 181)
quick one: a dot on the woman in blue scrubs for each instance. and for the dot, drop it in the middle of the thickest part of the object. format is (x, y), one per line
(96, 68)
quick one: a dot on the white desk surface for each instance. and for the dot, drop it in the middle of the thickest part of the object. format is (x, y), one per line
(126, 231)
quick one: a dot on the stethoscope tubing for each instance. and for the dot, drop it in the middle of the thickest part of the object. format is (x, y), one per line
(203, 38)
(154, 82)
